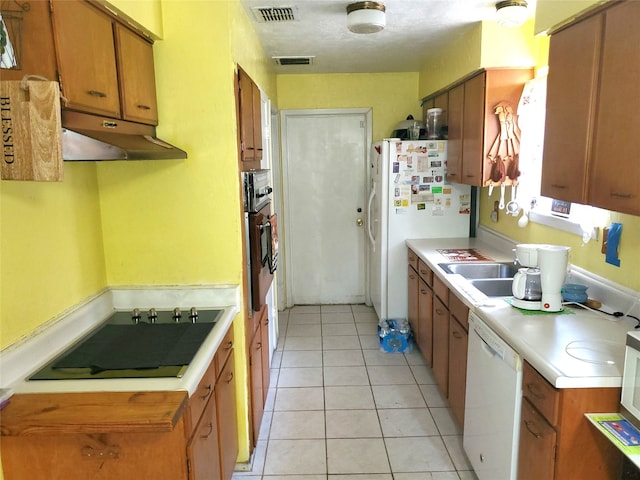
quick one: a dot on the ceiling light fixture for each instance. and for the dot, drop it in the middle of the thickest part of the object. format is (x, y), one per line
(511, 13)
(366, 17)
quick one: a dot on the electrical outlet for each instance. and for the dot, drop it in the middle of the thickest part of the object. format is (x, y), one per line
(605, 235)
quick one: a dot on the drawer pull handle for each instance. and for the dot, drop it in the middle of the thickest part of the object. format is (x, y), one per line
(96, 93)
(528, 424)
(439, 312)
(144, 107)
(456, 334)
(229, 345)
(558, 186)
(624, 196)
(230, 377)
(207, 392)
(535, 391)
(412, 276)
(423, 291)
(210, 427)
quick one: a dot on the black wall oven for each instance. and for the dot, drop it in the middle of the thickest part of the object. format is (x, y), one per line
(262, 236)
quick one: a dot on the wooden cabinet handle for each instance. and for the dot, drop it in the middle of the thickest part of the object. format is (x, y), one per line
(144, 107)
(624, 196)
(96, 93)
(424, 292)
(452, 174)
(456, 334)
(230, 377)
(207, 392)
(229, 345)
(528, 424)
(210, 427)
(412, 276)
(424, 271)
(535, 391)
(439, 312)
(556, 185)
(258, 345)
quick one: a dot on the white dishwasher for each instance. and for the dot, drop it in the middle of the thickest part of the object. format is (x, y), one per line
(492, 404)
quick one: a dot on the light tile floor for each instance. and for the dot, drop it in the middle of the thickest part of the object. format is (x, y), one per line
(340, 409)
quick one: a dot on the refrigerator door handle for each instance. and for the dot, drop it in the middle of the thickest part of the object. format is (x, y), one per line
(369, 219)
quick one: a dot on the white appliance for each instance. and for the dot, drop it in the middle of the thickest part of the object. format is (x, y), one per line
(492, 404)
(550, 263)
(409, 198)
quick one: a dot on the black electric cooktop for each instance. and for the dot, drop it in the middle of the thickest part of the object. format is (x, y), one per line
(155, 343)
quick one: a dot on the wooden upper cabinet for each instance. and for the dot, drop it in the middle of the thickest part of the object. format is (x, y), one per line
(615, 174)
(454, 148)
(86, 58)
(591, 140)
(137, 81)
(104, 67)
(473, 123)
(250, 122)
(571, 98)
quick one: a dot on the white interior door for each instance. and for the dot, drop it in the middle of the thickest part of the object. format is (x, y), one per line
(324, 170)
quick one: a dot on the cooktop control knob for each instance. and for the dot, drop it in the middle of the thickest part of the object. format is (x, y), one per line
(135, 316)
(193, 315)
(152, 315)
(177, 314)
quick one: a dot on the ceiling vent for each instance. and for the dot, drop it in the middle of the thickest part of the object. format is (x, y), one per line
(293, 60)
(274, 14)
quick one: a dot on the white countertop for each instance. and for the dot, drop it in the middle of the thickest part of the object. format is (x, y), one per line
(19, 361)
(597, 351)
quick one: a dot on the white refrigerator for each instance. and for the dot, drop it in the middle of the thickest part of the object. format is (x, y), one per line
(409, 198)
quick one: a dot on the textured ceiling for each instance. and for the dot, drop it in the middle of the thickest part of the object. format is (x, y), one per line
(415, 30)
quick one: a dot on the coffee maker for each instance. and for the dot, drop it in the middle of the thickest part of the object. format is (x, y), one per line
(537, 285)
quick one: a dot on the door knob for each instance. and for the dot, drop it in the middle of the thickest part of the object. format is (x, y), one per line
(359, 222)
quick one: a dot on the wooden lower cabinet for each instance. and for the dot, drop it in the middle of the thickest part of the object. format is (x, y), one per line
(126, 435)
(225, 395)
(537, 451)
(441, 345)
(257, 392)
(557, 442)
(203, 463)
(458, 347)
(412, 297)
(425, 321)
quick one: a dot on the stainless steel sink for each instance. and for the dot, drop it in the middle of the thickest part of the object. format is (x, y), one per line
(481, 270)
(494, 287)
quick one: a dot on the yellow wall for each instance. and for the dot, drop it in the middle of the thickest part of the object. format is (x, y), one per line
(392, 96)
(51, 249)
(550, 13)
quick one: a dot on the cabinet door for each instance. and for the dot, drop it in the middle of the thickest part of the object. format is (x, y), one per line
(202, 453)
(425, 322)
(257, 120)
(264, 350)
(412, 296)
(249, 154)
(614, 178)
(442, 101)
(225, 395)
(458, 343)
(137, 77)
(86, 58)
(537, 449)
(257, 392)
(473, 123)
(454, 147)
(441, 345)
(571, 95)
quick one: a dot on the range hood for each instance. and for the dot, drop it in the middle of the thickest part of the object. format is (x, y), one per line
(91, 137)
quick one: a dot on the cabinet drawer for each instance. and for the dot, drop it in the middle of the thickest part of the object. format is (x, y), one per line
(201, 396)
(224, 350)
(537, 451)
(412, 259)
(441, 290)
(460, 311)
(540, 393)
(425, 273)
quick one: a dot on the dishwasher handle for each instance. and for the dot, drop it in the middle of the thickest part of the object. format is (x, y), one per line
(491, 349)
